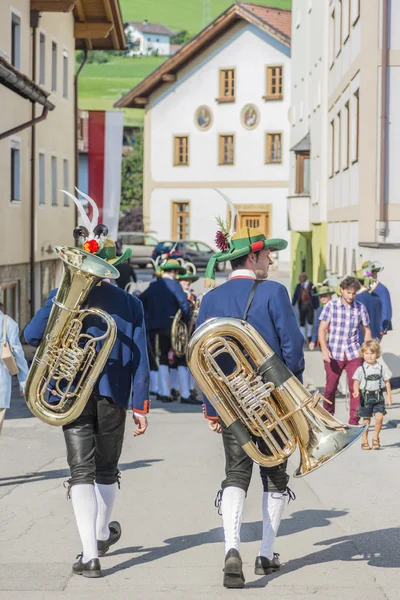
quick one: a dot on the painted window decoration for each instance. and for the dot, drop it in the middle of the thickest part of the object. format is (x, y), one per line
(203, 118)
(181, 150)
(226, 149)
(274, 148)
(250, 116)
(274, 83)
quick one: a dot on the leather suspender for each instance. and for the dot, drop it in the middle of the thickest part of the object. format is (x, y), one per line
(251, 297)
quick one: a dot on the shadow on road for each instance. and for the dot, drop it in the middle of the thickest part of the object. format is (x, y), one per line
(61, 473)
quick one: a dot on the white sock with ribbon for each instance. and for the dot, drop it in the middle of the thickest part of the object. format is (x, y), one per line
(84, 503)
(105, 495)
(163, 380)
(183, 373)
(232, 513)
(174, 379)
(154, 382)
(273, 504)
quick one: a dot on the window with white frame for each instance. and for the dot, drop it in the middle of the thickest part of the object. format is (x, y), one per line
(355, 11)
(346, 20)
(42, 178)
(65, 74)
(65, 180)
(54, 181)
(338, 134)
(15, 172)
(355, 126)
(15, 40)
(53, 66)
(332, 39)
(338, 28)
(42, 58)
(346, 136)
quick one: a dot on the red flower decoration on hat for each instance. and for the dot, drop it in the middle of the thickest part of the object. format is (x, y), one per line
(91, 246)
(221, 241)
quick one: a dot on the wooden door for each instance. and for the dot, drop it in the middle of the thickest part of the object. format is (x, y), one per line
(257, 220)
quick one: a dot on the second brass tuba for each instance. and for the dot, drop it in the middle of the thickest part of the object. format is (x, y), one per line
(261, 397)
(67, 360)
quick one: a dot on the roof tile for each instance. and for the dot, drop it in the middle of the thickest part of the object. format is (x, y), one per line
(278, 18)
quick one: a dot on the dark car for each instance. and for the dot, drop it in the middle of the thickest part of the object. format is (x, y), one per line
(195, 252)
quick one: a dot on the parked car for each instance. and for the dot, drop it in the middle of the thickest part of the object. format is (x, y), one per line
(194, 251)
(142, 245)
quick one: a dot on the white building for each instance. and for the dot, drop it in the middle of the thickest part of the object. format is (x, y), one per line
(217, 116)
(146, 38)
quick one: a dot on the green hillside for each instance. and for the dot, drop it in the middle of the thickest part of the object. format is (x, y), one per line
(100, 85)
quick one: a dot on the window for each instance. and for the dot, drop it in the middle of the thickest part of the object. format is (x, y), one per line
(181, 150)
(203, 247)
(346, 146)
(274, 83)
(53, 67)
(346, 18)
(226, 149)
(41, 179)
(65, 74)
(339, 142)
(332, 38)
(191, 246)
(42, 58)
(338, 32)
(274, 148)
(9, 297)
(355, 10)
(180, 220)
(15, 41)
(15, 173)
(302, 172)
(54, 181)
(355, 127)
(65, 180)
(226, 85)
(332, 157)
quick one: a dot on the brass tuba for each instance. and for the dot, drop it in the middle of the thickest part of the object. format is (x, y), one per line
(180, 331)
(261, 397)
(67, 358)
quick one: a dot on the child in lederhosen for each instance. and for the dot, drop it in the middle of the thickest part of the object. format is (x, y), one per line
(370, 381)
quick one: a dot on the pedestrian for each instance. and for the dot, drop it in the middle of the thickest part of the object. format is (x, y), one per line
(370, 380)
(372, 303)
(304, 298)
(382, 291)
(186, 381)
(161, 301)
(269, 311)
(342, 317)
(324, 293)
(126, 274)
(94, 440)
(9, 334)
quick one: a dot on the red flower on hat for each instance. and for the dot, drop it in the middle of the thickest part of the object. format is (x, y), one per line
(91, 246)
(221, 241)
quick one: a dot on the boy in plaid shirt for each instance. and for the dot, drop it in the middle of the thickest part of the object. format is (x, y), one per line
(343, 317)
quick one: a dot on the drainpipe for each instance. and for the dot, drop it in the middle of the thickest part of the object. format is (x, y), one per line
(30, 123)
(76, 124)
(34, 26)
(383, 200)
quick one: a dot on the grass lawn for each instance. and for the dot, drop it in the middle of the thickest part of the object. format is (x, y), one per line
(100, 85)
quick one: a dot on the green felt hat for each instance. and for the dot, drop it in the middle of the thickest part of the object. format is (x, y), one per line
(244, 241)
(188, 276)
(173, 265)
(109, 253)
(325, 290)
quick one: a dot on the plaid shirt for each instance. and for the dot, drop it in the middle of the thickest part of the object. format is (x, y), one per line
(343, 327)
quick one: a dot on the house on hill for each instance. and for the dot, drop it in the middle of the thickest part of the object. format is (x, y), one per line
(145, 39)
(217, 116)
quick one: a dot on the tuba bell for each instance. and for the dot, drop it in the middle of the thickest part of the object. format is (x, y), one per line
(67, 361)
(180, 331)
(261, 397)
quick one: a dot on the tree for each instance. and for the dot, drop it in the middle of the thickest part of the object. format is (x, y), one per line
(181, 37)
(132, 174)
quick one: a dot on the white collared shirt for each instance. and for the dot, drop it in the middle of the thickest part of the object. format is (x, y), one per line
(242, 273)
(167, 276)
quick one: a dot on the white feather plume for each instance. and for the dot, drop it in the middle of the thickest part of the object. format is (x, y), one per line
(82, 212)
(233, 210)
(95, 216)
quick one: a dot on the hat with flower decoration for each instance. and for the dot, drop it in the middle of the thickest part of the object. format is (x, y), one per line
(364, 274)
(376, 266)
(235, 244)
(324, 289)
(93, 235)
(172, 265)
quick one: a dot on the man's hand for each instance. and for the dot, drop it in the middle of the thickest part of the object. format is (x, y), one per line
(215, 426)
(311, 346)
(326, 355)
(141, 423)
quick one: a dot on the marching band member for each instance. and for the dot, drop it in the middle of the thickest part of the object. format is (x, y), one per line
(94, 440)
(269, 310)
(186, 382)
(384, 295)
(372, 303)
(161, 301)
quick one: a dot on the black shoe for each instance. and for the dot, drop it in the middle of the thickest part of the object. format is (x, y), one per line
(174, 394)
(166, 399)
(191, 400)
(194, 393)
(89, 569)
(115, 533)
(265, 566)
(233, 571)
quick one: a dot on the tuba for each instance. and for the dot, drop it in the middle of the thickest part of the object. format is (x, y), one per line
(261, 397)
(180, 331)
(67, 357)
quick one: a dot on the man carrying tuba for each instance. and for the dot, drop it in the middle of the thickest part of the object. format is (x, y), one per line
(94, 439)
(269, 311)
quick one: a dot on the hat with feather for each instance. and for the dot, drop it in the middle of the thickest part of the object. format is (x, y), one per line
(324, 289)
(235, 244)
(92, 235)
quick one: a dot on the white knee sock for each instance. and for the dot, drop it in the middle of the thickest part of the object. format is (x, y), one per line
(173, 379)
(232, 512)
(272, 506)
(303, 332)
(105, 495)
(191, 381)
(163, 380)
(309, 330)
(84, 504)
(183, 373)
(154, 382)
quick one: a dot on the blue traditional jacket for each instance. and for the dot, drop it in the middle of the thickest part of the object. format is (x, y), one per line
(384, 295)
(373, 305)
(317, 315)
(125, 377)
(271, 314)
(161, 301)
